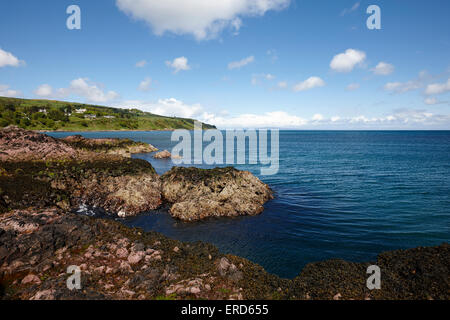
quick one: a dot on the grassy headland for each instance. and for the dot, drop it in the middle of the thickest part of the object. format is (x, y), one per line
(51, 115)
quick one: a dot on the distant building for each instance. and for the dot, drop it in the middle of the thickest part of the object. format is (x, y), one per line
(90, 116)
(80, 111)
(44, 111)
(109, 117)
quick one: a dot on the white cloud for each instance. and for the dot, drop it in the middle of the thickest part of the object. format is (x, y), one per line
(346, 62)
(91, 92)
(335, 118)
(81, 87)
(383, 69)
(179, 64)
(431, 101)
(282, 85)
(256, 78)
(141, 64)
(204, 19)
(166, 107)
(145, 85)
(353, 86)
(317, 117)
(6, 91)
(310, 83)
(8, 59)
(438, 88)
(44, 90)
(275, 119)
(241, 63)
(349, 10)
(402, 87)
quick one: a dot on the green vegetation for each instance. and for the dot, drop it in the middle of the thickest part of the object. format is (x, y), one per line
(52, 115)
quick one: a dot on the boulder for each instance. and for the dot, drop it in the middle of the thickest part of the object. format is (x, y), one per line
(162, 155)
(195, 194)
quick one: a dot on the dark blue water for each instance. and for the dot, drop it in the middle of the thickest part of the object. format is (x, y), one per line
(344, 194)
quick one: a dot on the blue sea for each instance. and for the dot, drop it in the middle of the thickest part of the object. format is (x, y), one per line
(338, 194)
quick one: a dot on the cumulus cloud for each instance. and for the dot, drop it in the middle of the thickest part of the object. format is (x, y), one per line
(141, 64)
(145, 85)
(6, 91)
(310, 83)
(275, 119)
(383, 69)
(402, 87)
(353, 86)
(8, 59)
(44, 91)
(204, 19)
(414, 84)
(438, 88)
(346, 62)
(241, 63)
(179, 64)
(81, 87)
(166, 107)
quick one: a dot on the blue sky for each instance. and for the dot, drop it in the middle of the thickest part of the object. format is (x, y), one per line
(268, 63)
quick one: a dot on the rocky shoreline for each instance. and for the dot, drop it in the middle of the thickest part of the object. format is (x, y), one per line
(42, 179)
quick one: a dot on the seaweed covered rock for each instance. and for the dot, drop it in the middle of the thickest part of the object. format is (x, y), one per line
(196, 194)
(20, 144)
(117, 262)
(39, 171)
(123, 147)
(119, 186)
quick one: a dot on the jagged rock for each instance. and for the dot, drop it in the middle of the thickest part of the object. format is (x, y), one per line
(199, 193)
(19, 144)
(70, 173)
(163, 155)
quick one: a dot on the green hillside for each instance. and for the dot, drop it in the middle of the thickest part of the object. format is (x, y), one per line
(67, 116)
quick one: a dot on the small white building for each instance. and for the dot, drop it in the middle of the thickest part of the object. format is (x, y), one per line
(44, 111)
(80, 111)
(109, 117)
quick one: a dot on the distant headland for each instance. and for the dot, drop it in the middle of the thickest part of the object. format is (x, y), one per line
(52, 115)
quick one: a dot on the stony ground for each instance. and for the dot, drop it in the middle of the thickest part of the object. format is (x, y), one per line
(116, 262)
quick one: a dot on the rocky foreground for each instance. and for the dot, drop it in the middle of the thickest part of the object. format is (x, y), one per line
(43, 179)
(38, 245)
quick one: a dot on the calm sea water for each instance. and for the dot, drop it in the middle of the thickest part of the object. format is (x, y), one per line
(338, 194)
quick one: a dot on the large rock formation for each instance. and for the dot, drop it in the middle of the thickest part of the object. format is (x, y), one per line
(38, 170)
(199, 193)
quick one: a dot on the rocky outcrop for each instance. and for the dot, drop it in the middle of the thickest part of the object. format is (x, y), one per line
(196, 194)
(122, 147)
(38, 245)
(39, 171)
(163, 155)
(17, 144)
